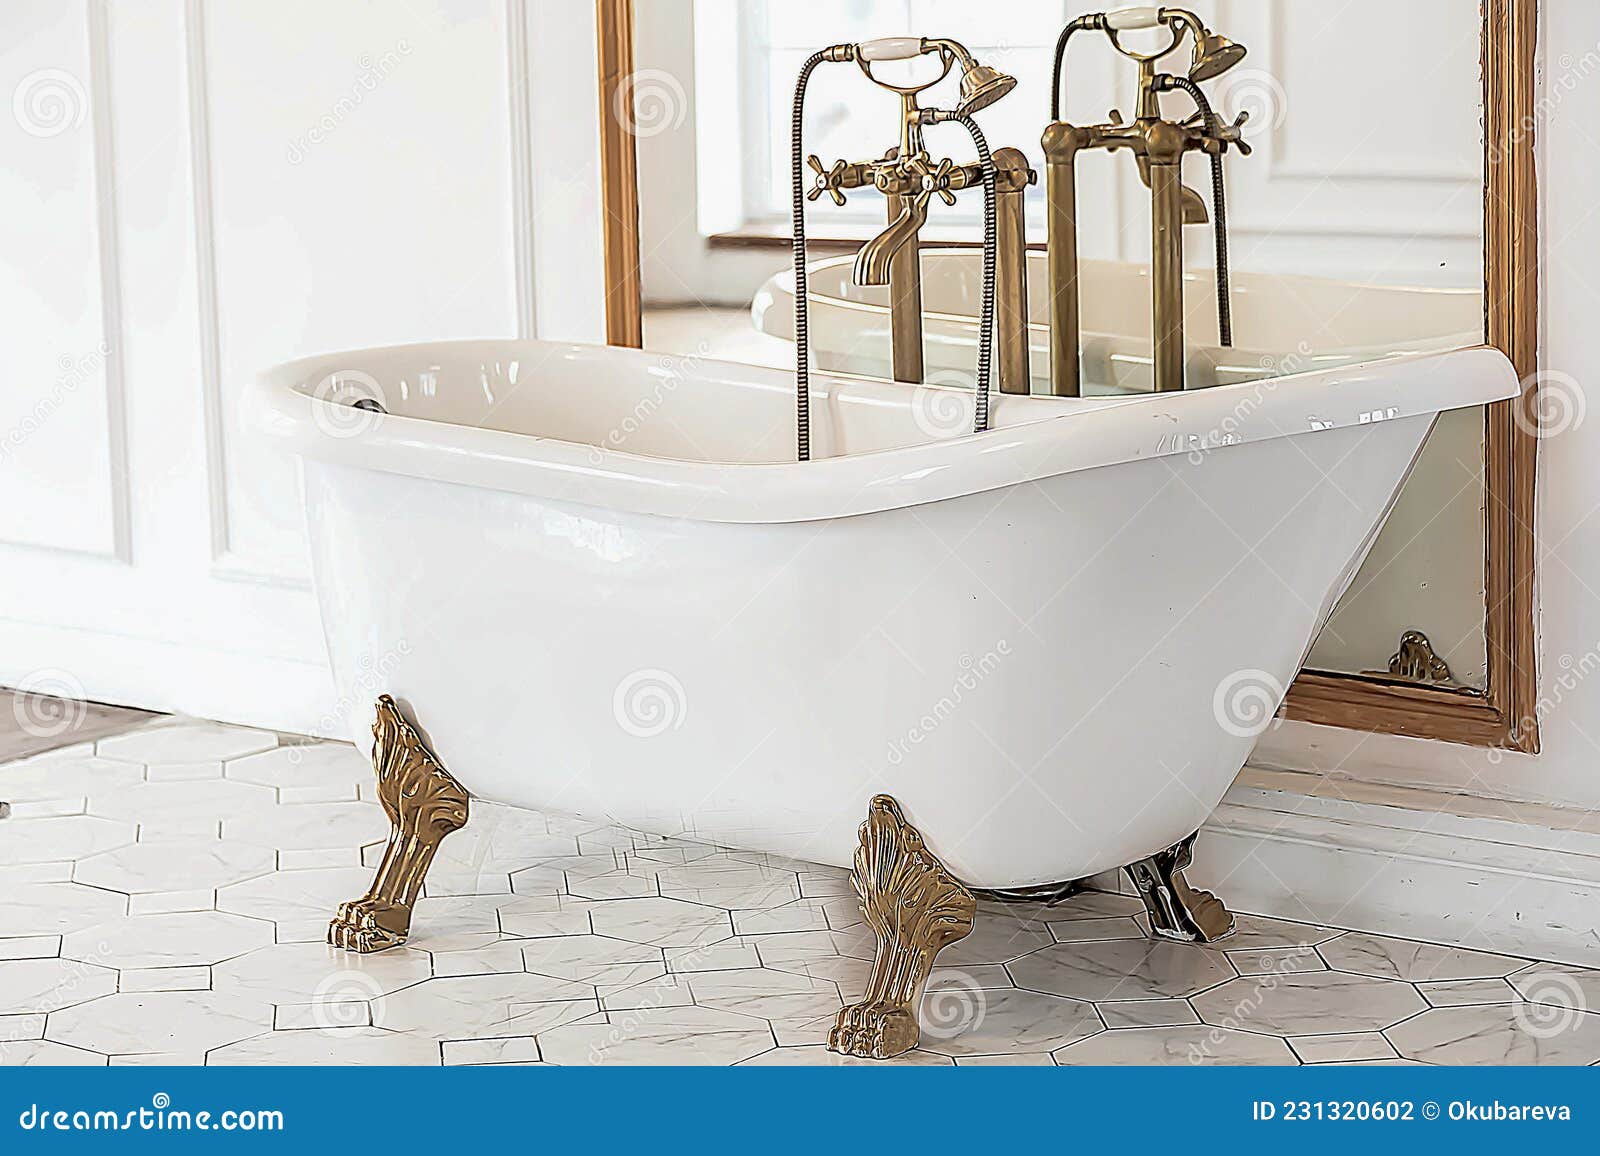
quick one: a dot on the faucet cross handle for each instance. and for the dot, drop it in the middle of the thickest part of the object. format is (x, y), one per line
(829, 180)
(935, 178)
(1234, 133)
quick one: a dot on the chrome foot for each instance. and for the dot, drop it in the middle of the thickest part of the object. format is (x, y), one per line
(1176, 910)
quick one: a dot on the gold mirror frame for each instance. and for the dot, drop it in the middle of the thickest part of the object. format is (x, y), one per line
(1502, 715)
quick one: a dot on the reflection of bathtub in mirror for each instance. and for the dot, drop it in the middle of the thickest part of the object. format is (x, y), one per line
(1425, 570)
(1282, 324)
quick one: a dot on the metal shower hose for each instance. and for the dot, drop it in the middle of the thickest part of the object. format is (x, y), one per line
(802, 308)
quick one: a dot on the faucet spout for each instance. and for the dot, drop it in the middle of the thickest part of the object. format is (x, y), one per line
(874, 258)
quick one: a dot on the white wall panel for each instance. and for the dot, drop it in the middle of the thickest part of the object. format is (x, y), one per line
(367, 202)
(62, 461)
(249, 182)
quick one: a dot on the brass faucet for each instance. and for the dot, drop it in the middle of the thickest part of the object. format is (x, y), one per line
(909, 178)
(1158, 146)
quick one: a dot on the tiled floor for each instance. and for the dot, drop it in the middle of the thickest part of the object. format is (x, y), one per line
(164, 893)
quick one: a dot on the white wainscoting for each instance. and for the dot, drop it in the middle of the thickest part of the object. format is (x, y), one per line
(195, 190)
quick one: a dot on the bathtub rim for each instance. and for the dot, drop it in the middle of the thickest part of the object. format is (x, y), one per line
(1089, 433)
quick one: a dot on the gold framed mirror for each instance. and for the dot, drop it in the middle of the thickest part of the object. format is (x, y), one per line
(1498, 707)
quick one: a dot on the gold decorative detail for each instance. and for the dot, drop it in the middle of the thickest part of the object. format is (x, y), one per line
(917, 909)
(424, 804)
(1415, 661)
(1176, 910)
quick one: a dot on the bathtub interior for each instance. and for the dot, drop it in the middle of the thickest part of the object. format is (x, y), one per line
(1281, 323)
(677, 408)
(1269, 309)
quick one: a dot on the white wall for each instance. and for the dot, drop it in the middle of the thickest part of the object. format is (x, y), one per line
(1568, 530)
(196, 190)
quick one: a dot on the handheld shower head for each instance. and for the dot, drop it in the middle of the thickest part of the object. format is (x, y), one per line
(981, 86)
(1213, 55)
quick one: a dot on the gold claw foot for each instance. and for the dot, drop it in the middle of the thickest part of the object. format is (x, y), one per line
(366, 925)
(424, 804)
(874, 1031)
(1176, 910)
(917, 909)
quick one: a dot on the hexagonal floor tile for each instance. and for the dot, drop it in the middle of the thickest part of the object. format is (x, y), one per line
(1260, 933)
(310, 765)
(1554, 984)
(310, 826)
(301, 902)
(661, 922)
(178, 865)
(55, 908)
(181, 939)
(165, 1021)
(309, 973)
(45, 985)
(497, 843)
(1121, 969)
(47, 1054)
(605, 885)
(668, 1035)
(771, 995)
(471, 922)
(1500, 1034)
(721, 882)
(466, 1007)
(64, 776)
(62, 839)
(194, 803)
(186, 742)
(594, 959)
(1106, 927)
(1190, 1044)
(1387, 958)
(1309, 1003)
(997, 937)
(537, 916)
(344, 1047)
(988, 1023)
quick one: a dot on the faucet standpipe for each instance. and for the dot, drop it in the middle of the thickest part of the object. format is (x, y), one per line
(909, 179)
(1158, 146)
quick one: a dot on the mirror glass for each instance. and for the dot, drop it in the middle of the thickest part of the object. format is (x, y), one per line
(1350, 235)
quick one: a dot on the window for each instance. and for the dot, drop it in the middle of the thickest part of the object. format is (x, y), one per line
(846, 117)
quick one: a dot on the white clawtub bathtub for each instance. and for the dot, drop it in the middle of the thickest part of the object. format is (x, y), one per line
(613, 592)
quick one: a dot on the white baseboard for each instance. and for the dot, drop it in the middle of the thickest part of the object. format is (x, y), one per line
(1528, 887)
